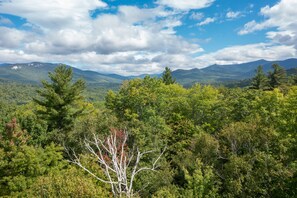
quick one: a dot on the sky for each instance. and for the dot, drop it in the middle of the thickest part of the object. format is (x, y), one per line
(130, 37)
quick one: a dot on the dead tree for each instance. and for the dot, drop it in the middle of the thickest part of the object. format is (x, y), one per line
(119, 165)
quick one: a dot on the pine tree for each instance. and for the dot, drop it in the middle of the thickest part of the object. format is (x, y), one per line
(294, 79)
(167, 76)
(260, 81)
(60, 99)
(278, 77)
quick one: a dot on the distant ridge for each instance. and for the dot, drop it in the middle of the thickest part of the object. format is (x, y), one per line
(227, 73)
(35, 72)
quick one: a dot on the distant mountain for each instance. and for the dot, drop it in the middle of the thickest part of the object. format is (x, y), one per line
(227, 73)
(35, 72)
(214, 74)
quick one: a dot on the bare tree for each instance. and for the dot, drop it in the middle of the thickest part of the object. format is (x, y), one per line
(119, 165)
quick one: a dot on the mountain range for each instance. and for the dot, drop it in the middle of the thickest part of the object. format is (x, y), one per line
(228, 73)
(35, 72)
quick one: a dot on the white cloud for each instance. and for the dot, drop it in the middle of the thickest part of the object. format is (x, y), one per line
(5, 21)
(114, 43)
(17, 56)
(246, 53)
(197, 15)
(283, 37)
(124, 63)
(233, 15)
(206, 21)
(53, 14)
(67, 30)
(253, 26)
(186, 4)
(12, 38)
(132, 41)
(282, 16)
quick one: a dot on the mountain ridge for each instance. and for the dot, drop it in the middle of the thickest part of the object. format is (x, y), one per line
(34, 72)
(232, 72)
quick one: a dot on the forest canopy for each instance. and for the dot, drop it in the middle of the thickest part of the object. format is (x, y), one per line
(201, 141)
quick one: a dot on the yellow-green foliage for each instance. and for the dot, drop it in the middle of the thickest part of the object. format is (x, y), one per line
(71, 182)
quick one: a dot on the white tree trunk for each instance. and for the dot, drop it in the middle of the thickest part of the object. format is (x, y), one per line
(119, 166)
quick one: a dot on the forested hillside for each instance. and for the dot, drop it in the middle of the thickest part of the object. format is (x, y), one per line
(33, 73)
(150, 138)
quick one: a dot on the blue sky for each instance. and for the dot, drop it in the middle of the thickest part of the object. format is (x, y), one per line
(132, 37)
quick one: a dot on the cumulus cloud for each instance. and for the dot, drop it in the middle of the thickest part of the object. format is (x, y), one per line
(206, 21)
(233, 15)
(123, 63)
(282, 16)
(282, 43)
(53, 14)
(132, 40)
(252, 26)
(186, 4)
(246, 53)
(108, 43)
(283, 37)
(13, 38)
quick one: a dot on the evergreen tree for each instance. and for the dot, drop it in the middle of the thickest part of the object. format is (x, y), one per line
(278, 77)
(294, 80)
(260, 80)
(61, 99)
(167, 76)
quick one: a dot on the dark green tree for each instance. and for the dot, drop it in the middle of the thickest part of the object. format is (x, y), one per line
(294, 80)
(167, 76)
(277, 77)
(61, 99)
(260, 80)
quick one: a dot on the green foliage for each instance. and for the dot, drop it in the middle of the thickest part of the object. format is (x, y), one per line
(202, 102)
(201, 182)
(288, 116)
(61, 99)
(167, 77)
(260, 81)
(14, 93)
(295, 79)
(21, 165)
(29, 121)
(221, 142)
(70, 182)
(153, 181)
(167, 192)
(6, 111)
(135, 98)
(254, 160)
(278, 76)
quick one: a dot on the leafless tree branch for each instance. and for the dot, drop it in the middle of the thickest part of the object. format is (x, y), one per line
(118, 164)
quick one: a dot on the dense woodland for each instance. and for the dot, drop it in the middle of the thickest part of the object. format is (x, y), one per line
(150, 138)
